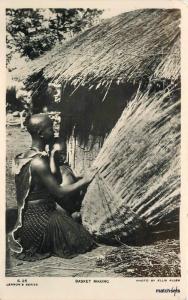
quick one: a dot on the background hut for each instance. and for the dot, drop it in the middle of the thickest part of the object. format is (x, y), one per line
(127, 63)
(100, 70)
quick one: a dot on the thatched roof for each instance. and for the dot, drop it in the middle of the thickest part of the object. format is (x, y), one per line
(138, 170)
(129, 47)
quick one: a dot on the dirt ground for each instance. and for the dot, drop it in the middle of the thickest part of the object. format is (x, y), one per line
(82, 265)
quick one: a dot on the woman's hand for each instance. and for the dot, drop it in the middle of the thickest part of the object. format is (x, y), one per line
(89, 175)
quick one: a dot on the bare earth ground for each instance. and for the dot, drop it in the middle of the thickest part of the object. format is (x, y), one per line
(82, 265)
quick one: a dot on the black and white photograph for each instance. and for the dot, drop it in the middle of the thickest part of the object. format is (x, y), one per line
(93, 135)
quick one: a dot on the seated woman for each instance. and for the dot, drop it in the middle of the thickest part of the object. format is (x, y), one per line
(41, 229)
(64, 174)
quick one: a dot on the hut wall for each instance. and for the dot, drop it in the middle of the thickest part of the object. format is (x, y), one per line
(138, 179)
(80, 156)
(87, 120)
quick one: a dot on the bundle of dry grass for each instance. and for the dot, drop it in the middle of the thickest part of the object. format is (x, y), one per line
(128, 47)
(158, 260)
(138, 180)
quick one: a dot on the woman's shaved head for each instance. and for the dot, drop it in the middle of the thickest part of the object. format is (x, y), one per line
(39, 124)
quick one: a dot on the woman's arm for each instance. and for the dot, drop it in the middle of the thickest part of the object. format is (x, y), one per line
(41, 168)
(67, 175)
(67, 178)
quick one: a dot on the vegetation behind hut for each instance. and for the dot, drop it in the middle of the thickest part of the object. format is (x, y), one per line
(32, 32)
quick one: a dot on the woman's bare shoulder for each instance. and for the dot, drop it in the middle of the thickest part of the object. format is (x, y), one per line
(39, 163)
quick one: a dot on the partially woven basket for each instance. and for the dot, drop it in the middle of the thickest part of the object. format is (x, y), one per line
(138, 179)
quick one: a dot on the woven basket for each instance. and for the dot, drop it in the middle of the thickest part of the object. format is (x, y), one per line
(138, 179)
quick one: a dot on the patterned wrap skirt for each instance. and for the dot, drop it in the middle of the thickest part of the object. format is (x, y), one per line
(47, 230)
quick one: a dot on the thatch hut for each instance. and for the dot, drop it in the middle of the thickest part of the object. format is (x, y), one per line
(101, 69)
(127, 63)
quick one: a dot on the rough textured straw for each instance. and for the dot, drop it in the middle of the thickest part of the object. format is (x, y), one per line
(139, 169)
(158, 260)
(128, 47)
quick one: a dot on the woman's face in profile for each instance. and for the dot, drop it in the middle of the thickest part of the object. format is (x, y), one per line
(48, 132)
